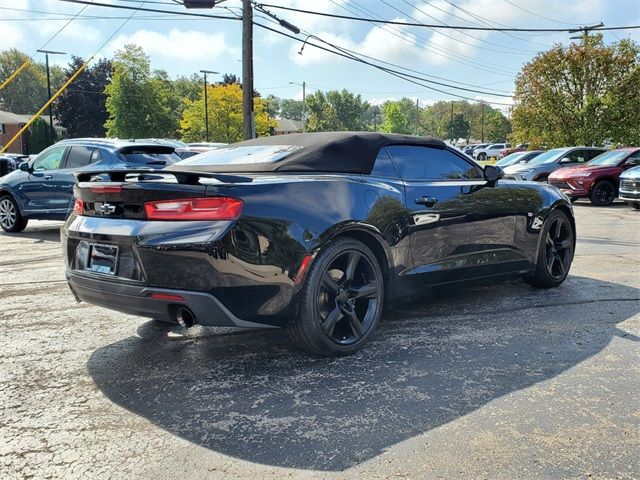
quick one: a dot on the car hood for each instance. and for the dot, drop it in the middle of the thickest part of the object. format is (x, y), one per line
(519, 168)
(570, 171)
(632, 173)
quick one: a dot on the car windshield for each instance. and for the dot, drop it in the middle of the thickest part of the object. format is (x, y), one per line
(612, 157)
(550, 156)
(511, 159)
(242, 155)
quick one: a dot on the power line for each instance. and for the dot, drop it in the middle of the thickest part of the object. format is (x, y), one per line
(420, 42)
(400, 75)
(537, 15)
(154, 10)
(446, 27)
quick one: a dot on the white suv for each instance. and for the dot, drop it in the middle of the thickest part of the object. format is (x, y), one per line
(492, 151)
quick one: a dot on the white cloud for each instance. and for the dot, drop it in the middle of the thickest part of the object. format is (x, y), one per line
(188, 48)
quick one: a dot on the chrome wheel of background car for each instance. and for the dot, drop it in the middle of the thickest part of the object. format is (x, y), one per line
(559, 248)
(8, 214)
(603, 193)
(348, 297)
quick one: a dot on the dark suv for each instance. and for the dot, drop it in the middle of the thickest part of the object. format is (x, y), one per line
(42, 189)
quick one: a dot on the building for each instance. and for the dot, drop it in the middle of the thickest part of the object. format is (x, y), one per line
(10, 125)
(286, 125)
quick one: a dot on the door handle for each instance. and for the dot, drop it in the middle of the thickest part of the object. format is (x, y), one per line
(48, 177)
(427, 201)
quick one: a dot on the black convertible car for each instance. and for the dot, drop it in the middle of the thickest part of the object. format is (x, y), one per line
(312, 232)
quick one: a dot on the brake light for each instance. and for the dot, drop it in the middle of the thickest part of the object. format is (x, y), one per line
(167, 297)
(209, 208)
(106, 189)
(78, 207)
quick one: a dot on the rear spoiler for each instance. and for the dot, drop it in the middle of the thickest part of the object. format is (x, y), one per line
(188, 178)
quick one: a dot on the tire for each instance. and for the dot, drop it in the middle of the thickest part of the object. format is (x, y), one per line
(482, 157)
(341, 301)
(603, 193)
(556, 247)
(636, 205)
(11, 220)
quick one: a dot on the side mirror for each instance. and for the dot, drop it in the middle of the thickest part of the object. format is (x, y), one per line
(565, 160)
(492, 173)
(24, 166)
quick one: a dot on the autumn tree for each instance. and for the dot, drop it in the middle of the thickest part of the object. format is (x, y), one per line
(583, 94)
(225, 115)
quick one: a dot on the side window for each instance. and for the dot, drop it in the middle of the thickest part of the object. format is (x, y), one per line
(383, 166)
(591, 154)
(96, 156)
(634, 159)
(79, 157)
(50, 160)
(577, 156)
(425, 163)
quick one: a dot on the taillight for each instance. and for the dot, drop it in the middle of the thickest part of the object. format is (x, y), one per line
(210, 208)
(106, 188)
(78, 207)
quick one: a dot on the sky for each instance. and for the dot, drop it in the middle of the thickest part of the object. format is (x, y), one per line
(485, 61)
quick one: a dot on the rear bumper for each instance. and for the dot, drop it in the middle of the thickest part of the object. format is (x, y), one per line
(137, 300)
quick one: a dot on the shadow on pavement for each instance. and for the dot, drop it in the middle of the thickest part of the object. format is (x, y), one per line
(49, 232)
(250, 395)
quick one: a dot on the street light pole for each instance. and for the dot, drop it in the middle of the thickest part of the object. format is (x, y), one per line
(46, 53)
(304, 104)
(206, 101)
(248, 117)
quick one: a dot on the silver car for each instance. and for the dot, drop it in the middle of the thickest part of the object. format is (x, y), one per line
(540, 167)
(630, 187)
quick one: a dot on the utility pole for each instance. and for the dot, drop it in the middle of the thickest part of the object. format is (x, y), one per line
(585, 31)
(452, 111)
(248, 117)
(206, 101)
(417, 115)
(482, 121)
(52, 132)
(304, 104)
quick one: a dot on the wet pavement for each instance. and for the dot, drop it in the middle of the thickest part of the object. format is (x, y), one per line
(492, 381)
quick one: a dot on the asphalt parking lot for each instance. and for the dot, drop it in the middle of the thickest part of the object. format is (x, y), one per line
(501, 381)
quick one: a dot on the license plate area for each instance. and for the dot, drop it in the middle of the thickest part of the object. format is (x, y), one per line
(103, 259)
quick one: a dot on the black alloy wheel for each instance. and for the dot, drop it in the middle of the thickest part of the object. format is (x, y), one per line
(557, 245)
(341, 301)
(10, 218)
(603, 193)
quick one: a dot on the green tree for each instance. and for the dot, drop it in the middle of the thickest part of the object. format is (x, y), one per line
(399, 116)
(458, 127)
(39, 136)
(137, 103)
(335, 111)
(585, 93)
(81, 108)
(225, 116)
(28, 91)
(291, 109)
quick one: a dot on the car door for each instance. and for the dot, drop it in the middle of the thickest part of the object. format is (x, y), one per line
(79, 156)
(37, 190)
(460, 226)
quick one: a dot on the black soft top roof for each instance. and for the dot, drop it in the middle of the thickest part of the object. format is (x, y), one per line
(339, 152)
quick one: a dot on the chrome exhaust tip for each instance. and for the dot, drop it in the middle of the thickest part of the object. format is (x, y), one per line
(185, 317)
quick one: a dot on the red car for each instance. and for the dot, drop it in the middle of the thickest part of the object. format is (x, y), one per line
(597, 179)
(523, 147)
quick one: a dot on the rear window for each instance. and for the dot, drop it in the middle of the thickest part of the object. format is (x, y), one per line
(152, 155)
(242, 155)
